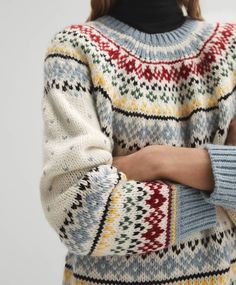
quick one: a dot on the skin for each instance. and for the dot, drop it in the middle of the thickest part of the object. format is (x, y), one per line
(189, 166)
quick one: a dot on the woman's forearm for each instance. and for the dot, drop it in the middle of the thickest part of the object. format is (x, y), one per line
(189, 166)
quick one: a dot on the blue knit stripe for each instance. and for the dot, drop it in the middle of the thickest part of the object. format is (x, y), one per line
(195, 212)
(186, 39)
(223, 162)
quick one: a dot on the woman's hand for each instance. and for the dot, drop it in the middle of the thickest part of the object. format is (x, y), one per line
(231, 137)
(143, 165)
(163, 162)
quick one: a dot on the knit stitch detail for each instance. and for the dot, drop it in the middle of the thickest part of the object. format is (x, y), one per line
(110, 90)
(223, 160)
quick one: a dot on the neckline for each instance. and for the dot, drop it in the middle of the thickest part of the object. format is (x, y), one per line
(182, 42)
(157, 39)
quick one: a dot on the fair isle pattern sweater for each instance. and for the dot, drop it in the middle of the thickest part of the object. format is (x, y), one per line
(110, 89)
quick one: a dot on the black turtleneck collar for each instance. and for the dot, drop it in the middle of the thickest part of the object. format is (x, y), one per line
(149, 16)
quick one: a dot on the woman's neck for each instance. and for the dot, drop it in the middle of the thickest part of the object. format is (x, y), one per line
(149, 16)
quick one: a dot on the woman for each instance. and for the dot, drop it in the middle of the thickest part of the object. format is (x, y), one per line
(139, 170)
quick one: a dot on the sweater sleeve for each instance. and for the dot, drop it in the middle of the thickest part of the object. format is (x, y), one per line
(223, 163)
(92, 206)
(223, 157)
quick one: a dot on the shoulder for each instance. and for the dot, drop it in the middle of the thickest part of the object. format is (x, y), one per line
(219, 39)
(227, 29)
(223, 31)
(65, 61)
(69, 40)
(224, 40)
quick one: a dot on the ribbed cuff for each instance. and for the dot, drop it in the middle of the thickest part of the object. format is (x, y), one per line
(193, 212)
(223, 162)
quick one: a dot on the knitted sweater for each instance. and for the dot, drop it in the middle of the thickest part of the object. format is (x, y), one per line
(110, 89)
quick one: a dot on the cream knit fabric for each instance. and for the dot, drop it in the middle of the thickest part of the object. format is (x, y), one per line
(112, 90)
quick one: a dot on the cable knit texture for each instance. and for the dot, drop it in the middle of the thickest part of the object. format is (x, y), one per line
(110, 89)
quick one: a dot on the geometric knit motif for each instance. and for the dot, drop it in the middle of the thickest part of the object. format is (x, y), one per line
(185, 262)
(110, 90)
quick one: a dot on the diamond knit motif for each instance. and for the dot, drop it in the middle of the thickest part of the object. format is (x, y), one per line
(109, 90)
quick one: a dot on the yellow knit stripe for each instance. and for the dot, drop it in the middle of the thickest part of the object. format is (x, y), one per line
(233, 270)
(66, 49)
(228, 85)
(67, 274)
(131, 104)
(112, 219)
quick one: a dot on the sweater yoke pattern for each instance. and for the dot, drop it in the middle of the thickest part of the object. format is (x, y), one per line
(110, 89)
